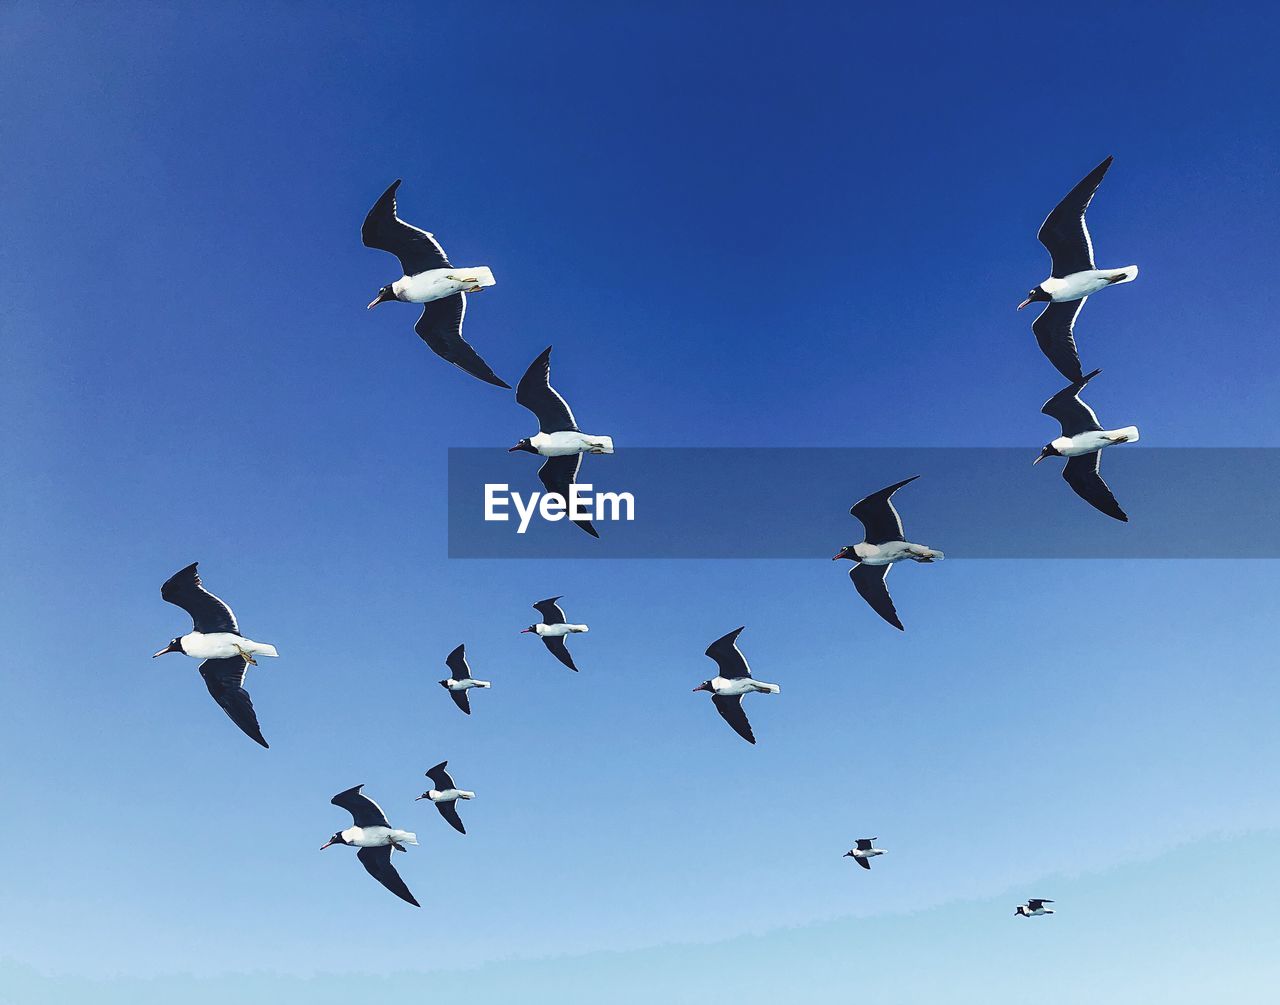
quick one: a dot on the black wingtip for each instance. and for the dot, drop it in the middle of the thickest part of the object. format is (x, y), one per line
(586, 525)
(495, 380)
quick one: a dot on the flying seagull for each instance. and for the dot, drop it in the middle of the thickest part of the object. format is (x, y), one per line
(1033, 908)
(883, 546)
(559, 439)
(863, 852)
(1074, 278)
(375, 838)
(732, 680)
(216, 639)
(429, 280)
(460, 681)
(1081, 442)
(445, 794)
(553, 628)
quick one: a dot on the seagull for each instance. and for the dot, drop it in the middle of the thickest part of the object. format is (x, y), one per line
(429, 280)
(375, 838)
(883, 546)
(559, 439)
(1081, 442)
(1074, 278)
(216, 639)
(731, 682)
(1033, 908)
(863, 852)
(445, 794)
(460, 681)
(552, 630)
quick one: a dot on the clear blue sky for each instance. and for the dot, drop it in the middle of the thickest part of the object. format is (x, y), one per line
(739, 225)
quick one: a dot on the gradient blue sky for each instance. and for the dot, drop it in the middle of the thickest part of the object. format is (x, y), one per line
(740, 225)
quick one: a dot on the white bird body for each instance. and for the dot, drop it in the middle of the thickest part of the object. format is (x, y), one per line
(1026, 912)
(1079, 285)
(222, 645)
(377, 837)
(869, 853)
(734, 686)
(1093, 441)
(558, 631)
(570, 441)
(895, 551)
(465, 685)
(436, 284)
(449, 795)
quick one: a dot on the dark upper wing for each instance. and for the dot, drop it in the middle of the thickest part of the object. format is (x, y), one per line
(730, 709)
(377, 863)
(864, 844)
(1081, 473)
(1054, 330)
(864, 862)
(870, 583)
(225, 679)
(550, 611)
(456, 661)
(557, 475)
(440, 326)
(1064, 233)
(1035, 903)
(416, 249)
(364, 811)
(1072, 413)
(461, 700)
(440, 778)
(536, 394)
(728, 657)
(878, 516)
(450, 812)
(559, 650)
(183, 589)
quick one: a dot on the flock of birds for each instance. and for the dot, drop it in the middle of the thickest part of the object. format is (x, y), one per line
(431, 280)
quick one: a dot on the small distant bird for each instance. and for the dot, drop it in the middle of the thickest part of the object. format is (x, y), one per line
(445, 794)
(216, 639)
(1074, 278)
(731, 682)
(883, 546)
(1033, 908)
(552, 630)
(1081, 443)
(429, 280)
(863, 852)
(460, 681)
(559, 439)
(375, 838)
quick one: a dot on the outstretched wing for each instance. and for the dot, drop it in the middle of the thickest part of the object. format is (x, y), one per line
(559, 650)
(450, 812)
(1055, 328)
(440, 326)
(364, 811)
(1064, 233)
(878, 516)
(209, 614)
(864, 844)
(864, 862)
(550, 611)
(416, 249)
(225, 680)
(869, 580)
(728, 657)
(1072, 414)
(557, 475)
(1081, 473)
(461, 700)
(536, 394)
(456, 661)
(440, 777)
(1035, 903)
(377, 863)
(730, 709)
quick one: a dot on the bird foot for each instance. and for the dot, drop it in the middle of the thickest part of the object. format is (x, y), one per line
(247, 656)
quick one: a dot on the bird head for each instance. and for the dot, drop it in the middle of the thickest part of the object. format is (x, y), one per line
(848, 854)
(524, 445)
(384, 294)
(1049, 451)
(1033, 296)
(336, 839)
(704, 686)
(425, 795)
(531, 628)
(443, 683)
(174, 646)
(849, 552)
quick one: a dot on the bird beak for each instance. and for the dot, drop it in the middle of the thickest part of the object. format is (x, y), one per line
(1024, 303)
(380, 298)
(836, 557)
(170, 648)
(325, 845)
(1037, 460)
(421, 797)
(525, 631)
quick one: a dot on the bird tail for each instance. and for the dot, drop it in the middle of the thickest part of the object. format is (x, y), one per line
(576, 629)
(483, 683)
(262, 649)
(1128, 274)
(769, 688)
(1127, 435)
(482, 276)
(408, 837)
(603, 443)
(464, 794)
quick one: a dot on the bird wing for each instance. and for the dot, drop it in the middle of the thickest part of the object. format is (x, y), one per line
(869, 580)
(1073, 414)
(1081, 473)
(440, 326)
(550, 611)
(364, 811)
(377, 863)
(417, 250)
(536, 394)
(1064, 233)
(1035, 903)
(456, 661)
(440, 778)
(864, 862)
(225, 680)
(184, 589)
(461, 700)
(728, 657)
(559, 650)
(557, 475)
(450, 812)
(730, 709)
(878, 516)
(864, 844)
(1054, 330)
